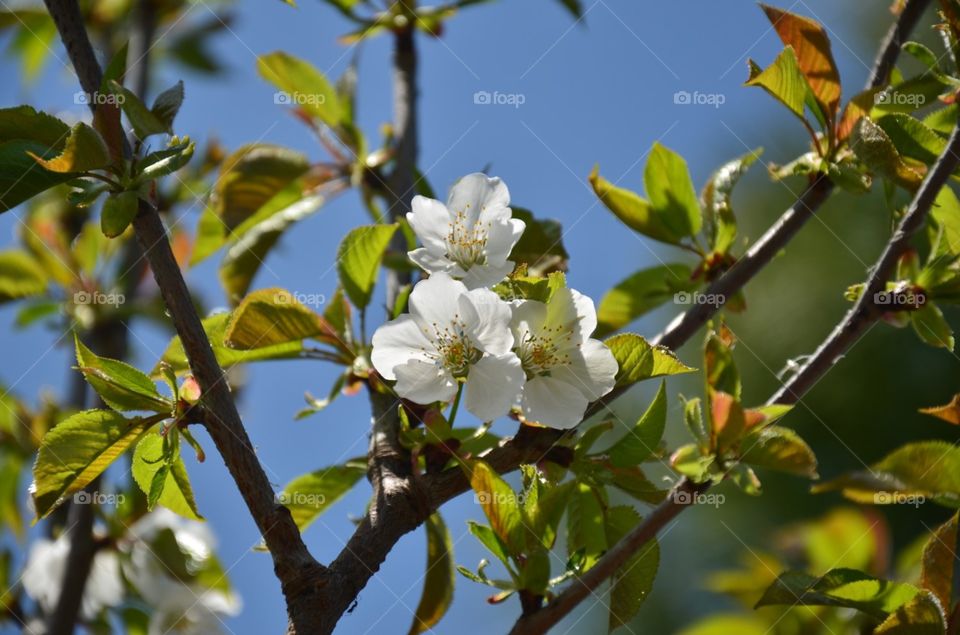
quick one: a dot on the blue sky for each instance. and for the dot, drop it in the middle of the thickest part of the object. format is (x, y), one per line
(596, 92)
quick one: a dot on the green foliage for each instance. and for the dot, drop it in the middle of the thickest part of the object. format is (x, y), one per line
(672, 212)
(633, 581)
(720, 223)
(78, 450)
(271, 317)
(118, 212)
(358, 260)
(438, 580)
(159, 471)
(643, 291)
(638, 360)
(84, 150)
(310, 495)
(540, 247)
(306, 86)
(924, 470)
(120, 385)
(642, 441)
(784, 81)
(21, 275)
(839, 587)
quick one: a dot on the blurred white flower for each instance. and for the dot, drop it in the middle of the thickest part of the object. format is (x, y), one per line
(179, 606)
(451, 334)
(565, 368)
(45, 569)
(469, 238)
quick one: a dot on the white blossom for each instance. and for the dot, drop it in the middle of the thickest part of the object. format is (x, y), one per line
(179, 607)
(45, 569)
(451, 335)
(469, 238)
(565, 368)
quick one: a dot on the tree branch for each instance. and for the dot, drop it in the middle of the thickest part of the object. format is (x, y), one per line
(296, 569)
(373, 541)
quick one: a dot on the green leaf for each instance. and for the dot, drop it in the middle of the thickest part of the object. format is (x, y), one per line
(923, 615)
(118, 212)
(254, 239)
(717, 197)
(912, 473)
(164, 479)
(20, 275)
(585, 525)
(250, 178)
(167, 104)
(304, 85)
(216, 327)
(500, 505)
(144, 121)
(726, 624)
(25, 123)
(438, 581)
(120, 385)
(268, 317)
(922, 54)
(939, 563)
(811, 44)
(847, 588)
(638, 360)
(358, 260)
(720, 368)
(779, 449)
(21, 176)
(643, 291)
(166, 161)
(783, 80)
(874, 147)
(633, 581)
(643, 440)
(79, 449)
(311, 494)
(84, 150)
(932, 327)
(635, 212)
(544, 506)
(671, 192)
(912, 137)
(489, 539)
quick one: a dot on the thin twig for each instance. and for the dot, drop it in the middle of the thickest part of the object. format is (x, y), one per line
(296, 569)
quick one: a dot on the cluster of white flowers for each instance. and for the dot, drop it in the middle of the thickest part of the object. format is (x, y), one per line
(533, 355)
(178, 606)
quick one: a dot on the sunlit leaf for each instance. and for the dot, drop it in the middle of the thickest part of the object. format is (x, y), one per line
(839, 587)
(358, 260)
(643, 291)
(644, 438)
(174, 491)
(79, 449)
(268, 317)
(438, 580)
(633, 581)
(638, 360)
(120, 385)
(20, 275)
(310, 495)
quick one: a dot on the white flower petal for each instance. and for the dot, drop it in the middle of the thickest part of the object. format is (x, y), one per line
(484, 276)
(432, 263)
(586, 312)
(430, 221)
(593, 371)
(528, 318)
(434, 301)
(474, 193)
(488, 321)
(552, 402)
(424, 382)
(396, 343)
(493, 386)
(501, 238)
